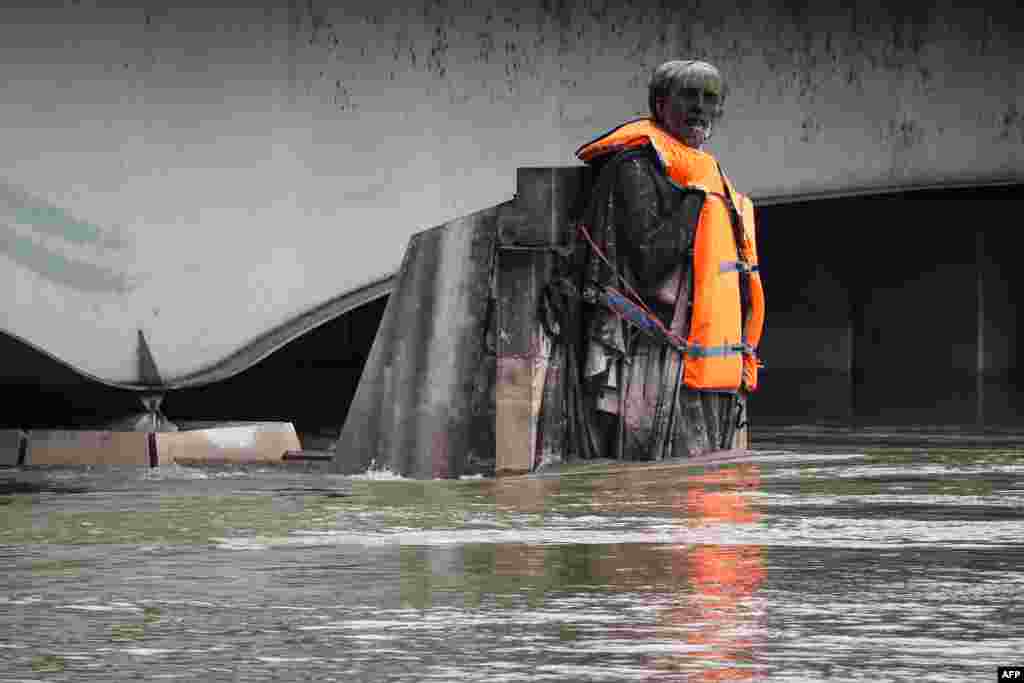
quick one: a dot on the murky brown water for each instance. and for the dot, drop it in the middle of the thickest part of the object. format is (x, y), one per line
(884, 564)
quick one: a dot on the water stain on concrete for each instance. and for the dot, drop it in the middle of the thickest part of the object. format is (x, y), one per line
(485, 47)
(57, 222)
(903, 136)
(342, 98)
(1011, 124)
(59, 268)
(34, 247)
(437, 62)
(22, 208)
(810, 129)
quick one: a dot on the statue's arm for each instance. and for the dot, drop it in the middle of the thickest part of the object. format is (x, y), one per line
(652, 234)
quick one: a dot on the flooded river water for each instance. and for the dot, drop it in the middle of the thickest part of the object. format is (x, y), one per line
(874, 564)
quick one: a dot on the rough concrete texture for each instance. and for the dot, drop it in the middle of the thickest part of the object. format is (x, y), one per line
(424, 405)
(547, 200)
(207, 173)
(454, 379)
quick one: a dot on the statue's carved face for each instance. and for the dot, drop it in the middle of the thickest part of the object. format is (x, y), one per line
(692, 110)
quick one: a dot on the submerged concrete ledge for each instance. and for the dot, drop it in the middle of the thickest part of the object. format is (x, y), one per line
(238, 444)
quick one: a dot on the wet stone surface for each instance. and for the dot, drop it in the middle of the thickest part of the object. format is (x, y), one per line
(872, 564)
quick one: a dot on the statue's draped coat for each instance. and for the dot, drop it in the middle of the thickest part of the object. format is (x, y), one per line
(611, 390)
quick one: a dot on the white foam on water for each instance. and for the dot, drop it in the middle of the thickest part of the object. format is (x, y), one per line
(235, 474)
(114, 607)
(288, 660)
(809, 457)
(999, 499)
(173, 471)
(255, 543)
(374, 473)
(915, 470)
(27, 600)
(819, 532)
(146, 651)
(385, 473)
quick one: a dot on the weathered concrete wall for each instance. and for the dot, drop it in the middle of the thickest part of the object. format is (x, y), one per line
(207, 173)
(424, 404)
(547, 204)
(454, 380)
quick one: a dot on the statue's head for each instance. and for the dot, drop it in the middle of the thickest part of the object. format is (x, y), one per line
(687, 99)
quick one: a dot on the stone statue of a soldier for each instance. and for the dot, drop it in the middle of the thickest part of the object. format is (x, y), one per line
(659, 312)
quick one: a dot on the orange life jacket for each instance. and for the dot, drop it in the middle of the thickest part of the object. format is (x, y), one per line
(720, 346)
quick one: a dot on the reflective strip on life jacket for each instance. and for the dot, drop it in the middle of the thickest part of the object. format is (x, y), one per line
(635, 315)
(631, 312)
(712, 351)
(737, 267)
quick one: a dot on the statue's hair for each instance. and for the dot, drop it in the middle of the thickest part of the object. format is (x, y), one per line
(672, 77)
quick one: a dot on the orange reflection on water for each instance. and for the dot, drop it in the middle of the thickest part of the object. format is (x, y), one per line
(718, 627)
(727, 505)
(710, 624)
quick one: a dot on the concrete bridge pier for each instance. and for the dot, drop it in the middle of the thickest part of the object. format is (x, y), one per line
(453, 381)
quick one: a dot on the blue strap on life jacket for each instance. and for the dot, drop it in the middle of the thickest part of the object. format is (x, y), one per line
(738, 267)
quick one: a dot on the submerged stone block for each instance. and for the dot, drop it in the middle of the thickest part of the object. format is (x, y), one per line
(59, 447)
(264, 442)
